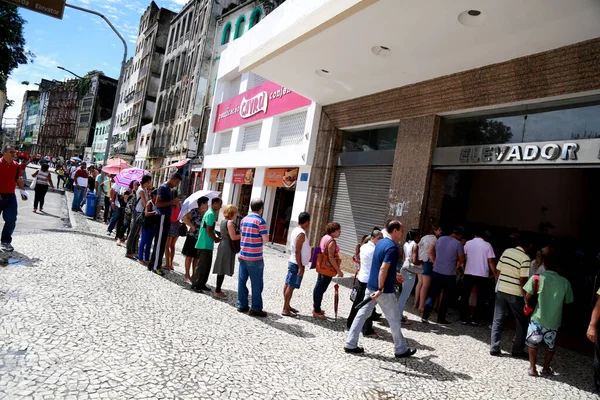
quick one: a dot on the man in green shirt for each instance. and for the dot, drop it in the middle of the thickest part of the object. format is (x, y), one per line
(205, 245)
(553, 291)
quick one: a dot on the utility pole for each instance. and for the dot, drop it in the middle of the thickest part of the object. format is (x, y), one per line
(120, 82)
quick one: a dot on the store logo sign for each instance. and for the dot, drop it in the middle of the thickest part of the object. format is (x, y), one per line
(254, 105)
(519, 152)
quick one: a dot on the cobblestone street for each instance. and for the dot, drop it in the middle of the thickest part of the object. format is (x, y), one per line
(79, 320)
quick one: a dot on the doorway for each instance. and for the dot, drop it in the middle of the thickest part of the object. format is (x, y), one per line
(282, 214)
(241, 199)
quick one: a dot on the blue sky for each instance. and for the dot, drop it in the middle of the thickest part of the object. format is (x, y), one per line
(79, 42)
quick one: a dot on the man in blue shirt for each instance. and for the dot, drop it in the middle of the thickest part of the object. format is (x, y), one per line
(380, 288)
(164, 201)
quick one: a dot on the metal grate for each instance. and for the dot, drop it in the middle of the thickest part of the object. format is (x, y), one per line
(224, 142)
(290, 130)
(255, 80)
(232, 88)
(251, 137)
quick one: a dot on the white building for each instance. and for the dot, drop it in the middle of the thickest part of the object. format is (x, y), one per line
(260, 143)
(142, 146)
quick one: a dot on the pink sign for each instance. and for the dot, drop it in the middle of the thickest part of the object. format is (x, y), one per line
(266, 100)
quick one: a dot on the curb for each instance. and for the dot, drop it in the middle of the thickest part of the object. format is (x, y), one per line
(77, 220)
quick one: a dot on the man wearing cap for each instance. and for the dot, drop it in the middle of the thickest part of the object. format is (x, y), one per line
(10, 177)
(449, 254)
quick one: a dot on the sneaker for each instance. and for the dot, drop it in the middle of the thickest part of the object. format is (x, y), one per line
(408, 353)
(159, 272)
(403, 319)
(7, 247)
(443, 321)
(464, 323)
(356, 350)
(257, 313)
(495, 353)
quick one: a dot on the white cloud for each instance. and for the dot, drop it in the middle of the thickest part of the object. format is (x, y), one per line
(15, 91)
(180, 2)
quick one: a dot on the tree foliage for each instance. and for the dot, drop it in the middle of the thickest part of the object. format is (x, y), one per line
(12, 42)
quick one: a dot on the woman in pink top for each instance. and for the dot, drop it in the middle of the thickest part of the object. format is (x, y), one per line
(173, 235)
(328, 246)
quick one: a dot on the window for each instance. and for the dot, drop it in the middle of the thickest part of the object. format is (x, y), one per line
(370, 139)
(255, 17)
(239, 27)
(86, 104)
(290, 130)
(84, 119)
(226, 33)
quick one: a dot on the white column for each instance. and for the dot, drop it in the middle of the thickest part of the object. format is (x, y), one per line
(313, 118)
(266, 133)
(227, 186)
(258, 187)
(245, 82)
(301, 193)
(236, 137)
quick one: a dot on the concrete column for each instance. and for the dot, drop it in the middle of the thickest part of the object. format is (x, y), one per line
(409, 188)
(322, 176)
(258, 187)
(266, 133)
(227, 186)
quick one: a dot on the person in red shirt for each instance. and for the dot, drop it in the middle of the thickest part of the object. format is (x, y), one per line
(10, 178)
(80, 183)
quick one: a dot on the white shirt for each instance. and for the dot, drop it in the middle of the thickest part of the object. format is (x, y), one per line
(408, 249)
(139, 206)
(304, 252)
(425, 244)
(366, 260)
(478, 251)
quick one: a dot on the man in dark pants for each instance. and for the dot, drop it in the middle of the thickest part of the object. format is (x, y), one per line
(594, 337)
(207, 237)
(164, 201)
(449, 253)
(10, 178)
(513, 273)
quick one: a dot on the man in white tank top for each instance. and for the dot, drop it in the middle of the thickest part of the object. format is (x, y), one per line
(299, 257)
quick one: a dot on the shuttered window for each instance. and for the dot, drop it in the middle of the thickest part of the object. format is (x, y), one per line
(359, 202)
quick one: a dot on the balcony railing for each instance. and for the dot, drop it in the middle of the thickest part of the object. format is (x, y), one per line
(139, 96)
(128, 97)
(142, 73)
(157, 152)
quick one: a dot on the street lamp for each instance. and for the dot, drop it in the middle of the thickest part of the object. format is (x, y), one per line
(71, 72)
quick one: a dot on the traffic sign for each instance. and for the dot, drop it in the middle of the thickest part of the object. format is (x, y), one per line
(52, 8)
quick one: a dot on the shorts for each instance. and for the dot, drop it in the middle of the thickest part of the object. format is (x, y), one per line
(189, 247)
(174, 229)
(537, 333)
(292, 279)
(427, 268)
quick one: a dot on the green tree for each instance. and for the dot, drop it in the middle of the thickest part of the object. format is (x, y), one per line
(12, 42)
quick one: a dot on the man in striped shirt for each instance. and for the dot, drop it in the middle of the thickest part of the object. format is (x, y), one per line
(513, 269)
(254, 234)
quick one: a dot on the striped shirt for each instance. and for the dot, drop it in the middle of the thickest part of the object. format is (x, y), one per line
(513, 265)
(251, 244)
(42, 178)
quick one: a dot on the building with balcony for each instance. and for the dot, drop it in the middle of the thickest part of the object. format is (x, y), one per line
(139, 89)
(28, 117)
(100, 141)
(96, 96)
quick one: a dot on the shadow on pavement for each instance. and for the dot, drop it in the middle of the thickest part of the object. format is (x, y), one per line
(423, 368)
(15, 259)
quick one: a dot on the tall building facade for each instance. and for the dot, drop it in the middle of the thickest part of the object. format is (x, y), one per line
(28, 117)
(137, 99)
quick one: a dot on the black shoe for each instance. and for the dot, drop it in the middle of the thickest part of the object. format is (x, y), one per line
(495, 353)
(408, 353)
(243, 309)
(521, 354)
(376, 316)
(443, 321)
(403, 319)
(356, 350)
(204, 288)
(257, 313)
(425, 317)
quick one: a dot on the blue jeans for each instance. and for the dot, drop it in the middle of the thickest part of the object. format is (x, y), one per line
(78, 197)
(113, 219)
(319, 290)
(253, 270)
(389, 307)
(407, 287)
(9, 210)
(145, 244)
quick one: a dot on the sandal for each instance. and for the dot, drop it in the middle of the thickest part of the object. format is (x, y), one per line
(319, 315)
(547, 372)
(534, 373)
(292, 309)
(289, 313)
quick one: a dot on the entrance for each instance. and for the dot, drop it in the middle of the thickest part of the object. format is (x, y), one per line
(243, 193)
(282, 214)
(556, 207)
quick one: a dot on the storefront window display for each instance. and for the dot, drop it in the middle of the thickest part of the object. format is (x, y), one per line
(217, 178)
(283, 181)
(242, 181)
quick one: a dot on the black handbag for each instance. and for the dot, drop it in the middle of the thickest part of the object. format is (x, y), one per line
(183, 230)
(235, 244)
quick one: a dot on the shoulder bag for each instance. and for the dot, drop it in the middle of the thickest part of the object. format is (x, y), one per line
(324, 266)
(235, 244)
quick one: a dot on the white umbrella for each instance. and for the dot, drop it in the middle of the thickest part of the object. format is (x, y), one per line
(192, 201)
